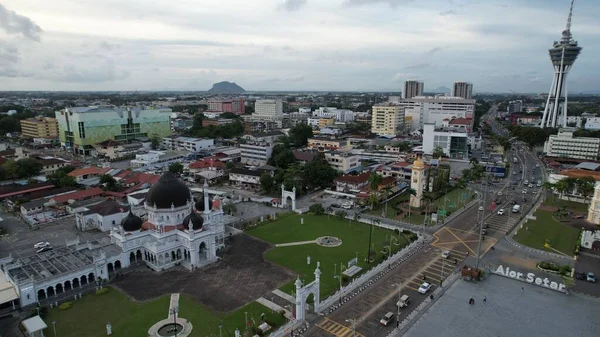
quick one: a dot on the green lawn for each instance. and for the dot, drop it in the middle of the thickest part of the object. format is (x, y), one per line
(355, 238)
(554, 201)
(89, 315)
(452, 201)
(534, 233)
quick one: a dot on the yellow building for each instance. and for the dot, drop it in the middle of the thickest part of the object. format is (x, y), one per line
(387, 120)
(329, 144)
(41, 127)
(323, 122)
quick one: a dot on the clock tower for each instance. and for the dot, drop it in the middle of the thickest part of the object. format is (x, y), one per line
(416, 182)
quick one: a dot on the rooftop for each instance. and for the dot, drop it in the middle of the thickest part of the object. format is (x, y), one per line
(88, 170)
(509, 311)
(92, 192)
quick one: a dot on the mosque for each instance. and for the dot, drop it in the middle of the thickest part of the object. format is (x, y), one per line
(174, 231)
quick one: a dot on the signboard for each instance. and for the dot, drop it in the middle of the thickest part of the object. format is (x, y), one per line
(434, 217)
(529, 278)
(497, 171)
(353, 262)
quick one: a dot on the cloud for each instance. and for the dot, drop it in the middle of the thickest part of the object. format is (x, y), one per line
(8, 54)
(102, 72)
(448, 12)
(293, 78)
(433, 51)
(391, 3)
(108, 46)
(292, 5)
(13, 23)
(401, 77)
(422, 65)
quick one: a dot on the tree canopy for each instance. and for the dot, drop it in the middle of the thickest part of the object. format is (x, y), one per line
(318, 172)
(176, 168)
(299, 135)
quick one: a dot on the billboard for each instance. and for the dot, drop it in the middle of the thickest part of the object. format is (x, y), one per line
(497, 171)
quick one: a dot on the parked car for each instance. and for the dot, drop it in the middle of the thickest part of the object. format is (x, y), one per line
(43, 249)
(580, 276)
(501, 211)
(41, 244)
(387, 318)
(590, 277)
(403, 302)
(480, 208)
(446, 254)
(424, 288)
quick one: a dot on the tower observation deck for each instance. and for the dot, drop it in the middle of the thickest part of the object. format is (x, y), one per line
(563, 55)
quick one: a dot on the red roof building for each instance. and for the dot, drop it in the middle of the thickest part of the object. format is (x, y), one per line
(79, 195)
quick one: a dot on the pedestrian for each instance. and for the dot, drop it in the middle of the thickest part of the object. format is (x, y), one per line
(455, 261)
(484, 299)
(522, 289)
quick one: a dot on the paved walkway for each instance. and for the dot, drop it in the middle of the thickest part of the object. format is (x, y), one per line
(299, 243)
(283, 295)
(173, 305)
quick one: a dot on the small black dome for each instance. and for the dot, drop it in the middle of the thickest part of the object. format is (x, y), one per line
(197, 221)
(131, 222)
(168, 191)
(200, 204)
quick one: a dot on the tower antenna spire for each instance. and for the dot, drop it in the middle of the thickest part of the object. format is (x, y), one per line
(568, 29)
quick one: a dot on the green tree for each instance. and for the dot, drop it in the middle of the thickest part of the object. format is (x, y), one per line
(9, 124)
(585, 187)
(266, 182)
(282, 157)
(176, 168)
(299, 135)
(110, 183)
(230, 165)
(318, 173)
(155, 141)
(316, 209)
(229, 208)
(28, 167)
(438, 152)
(61, 178)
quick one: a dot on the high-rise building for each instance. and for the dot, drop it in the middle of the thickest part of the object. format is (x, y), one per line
(462, 89)
(387, 119)
(236, 106)
(412, 88)
(563, 55)
(514, 106)
(268, 109)
(422, 110)
(81, 128)
(39, 127)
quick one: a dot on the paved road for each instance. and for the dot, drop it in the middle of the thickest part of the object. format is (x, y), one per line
(360, 316)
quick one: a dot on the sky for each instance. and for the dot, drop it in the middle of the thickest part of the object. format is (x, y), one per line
(287, 45)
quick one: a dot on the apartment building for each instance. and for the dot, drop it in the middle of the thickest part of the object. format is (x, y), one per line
(40, 127)
(434, 109)
(412, 88)
(340, 115)
(565, 145)
(463, 90)
(344, 162)
(455, 144)
(387, 119)
(236, 106)
(189, 144)
(329, 144)
(268, 109)
(80, 128)
(256, 154)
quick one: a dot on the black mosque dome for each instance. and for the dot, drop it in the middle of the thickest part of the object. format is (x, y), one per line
(168, 191)
(131, 222)
(197, 221)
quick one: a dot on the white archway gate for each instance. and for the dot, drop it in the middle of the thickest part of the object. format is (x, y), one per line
(302, 293)
(288, 194)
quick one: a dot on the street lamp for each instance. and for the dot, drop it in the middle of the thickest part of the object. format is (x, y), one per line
(54, 327)
(442, 273)
(174, 311)
(220, 334)
(339, 277)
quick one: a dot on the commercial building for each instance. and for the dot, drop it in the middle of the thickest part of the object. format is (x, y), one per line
(268, 109)
(422, 110)
(256, 154)
(454, 144)
(42, 127)
(188, 144)
(153, 157)
(412, 88)
(329, 144)
(82, 127)
(463, 90)
(565, 145)
(343, 161)
(387, 119)
(515, 107)
(113, 150)
(340, 115)
(236, 106)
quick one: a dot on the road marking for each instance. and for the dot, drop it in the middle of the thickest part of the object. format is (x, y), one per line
(469, 248)
(337, 329)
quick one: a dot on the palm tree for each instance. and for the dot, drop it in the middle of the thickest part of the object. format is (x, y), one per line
(585, 187)
(329, 210)
(387, 191)
(562, 186)
(410, 191)
(428, 198)
(473, 161)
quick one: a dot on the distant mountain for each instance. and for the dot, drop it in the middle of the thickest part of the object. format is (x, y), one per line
(226, 88)
(442, 90)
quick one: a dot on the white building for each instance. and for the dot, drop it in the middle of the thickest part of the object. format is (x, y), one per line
(269, 109)
(154, 157)
(340, 115)
(255, 154)
(565, 145)
(515, 107)
(422, 110)
(172, 234)
(463, 90)
(344, 162)
(387, 119)
(102, 216)
(188, 144)
(412, 88)
(245, 178)
(454, 144)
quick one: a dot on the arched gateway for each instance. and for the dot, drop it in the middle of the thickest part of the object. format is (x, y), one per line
(285, 195)
(302, 293)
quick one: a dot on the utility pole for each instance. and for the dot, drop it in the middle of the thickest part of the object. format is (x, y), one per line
(370, 237)
(481, 224)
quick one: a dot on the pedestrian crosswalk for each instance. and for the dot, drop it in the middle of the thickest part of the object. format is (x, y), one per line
(437, 271)
(502, 223)
(338, 329)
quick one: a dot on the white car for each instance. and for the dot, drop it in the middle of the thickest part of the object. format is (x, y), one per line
(446, 254)
(481, 208)
(42, 244)
(524, 191)
(499, 193)
(424, 288)
(501, 211)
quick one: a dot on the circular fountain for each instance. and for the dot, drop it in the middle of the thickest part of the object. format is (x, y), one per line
(329, 241)
(172, 325)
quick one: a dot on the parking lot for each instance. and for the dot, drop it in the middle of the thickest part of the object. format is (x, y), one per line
(586, 264)
(21, 239)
